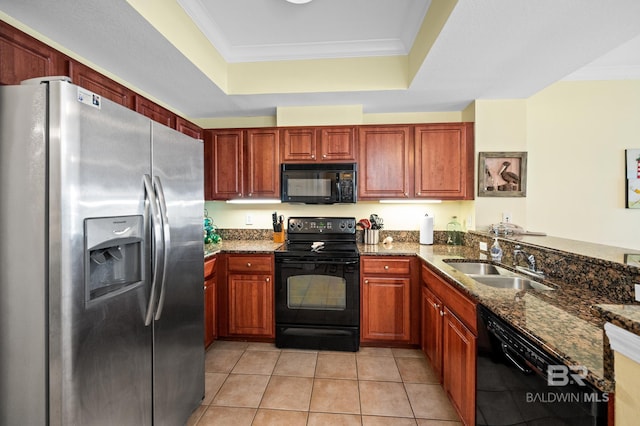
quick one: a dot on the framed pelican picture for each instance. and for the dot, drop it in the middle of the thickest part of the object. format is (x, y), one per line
(502, 174)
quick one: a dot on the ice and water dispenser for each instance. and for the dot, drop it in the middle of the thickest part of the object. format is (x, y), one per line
(114, 251)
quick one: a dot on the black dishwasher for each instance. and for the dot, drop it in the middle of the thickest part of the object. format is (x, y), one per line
(520, 384)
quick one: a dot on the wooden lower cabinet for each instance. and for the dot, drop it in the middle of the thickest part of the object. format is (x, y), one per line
(449, 341)
(389, 303)
(210, 329)
(250, 305)
(459, 365)
(431, 339)
(386, 309)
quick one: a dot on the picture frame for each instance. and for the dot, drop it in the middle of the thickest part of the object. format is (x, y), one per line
(632, 259)
(502, 174)
(632, 172)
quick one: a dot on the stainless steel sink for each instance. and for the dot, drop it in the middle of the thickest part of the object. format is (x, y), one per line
(512, 282)
(496, 276)
(479, 268)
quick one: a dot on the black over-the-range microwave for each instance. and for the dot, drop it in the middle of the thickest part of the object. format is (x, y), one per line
(319, 183)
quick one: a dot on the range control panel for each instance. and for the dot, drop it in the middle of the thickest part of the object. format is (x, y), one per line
(322, 225)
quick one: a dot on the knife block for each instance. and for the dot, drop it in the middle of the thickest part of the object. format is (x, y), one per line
(278, 237)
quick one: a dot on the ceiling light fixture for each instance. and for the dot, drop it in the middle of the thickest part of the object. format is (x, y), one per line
(299, 1)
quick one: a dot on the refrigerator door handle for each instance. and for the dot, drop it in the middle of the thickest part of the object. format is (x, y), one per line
(156, 224)
(167, 242)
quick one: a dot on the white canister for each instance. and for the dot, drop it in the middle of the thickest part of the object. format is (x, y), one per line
(426, 230)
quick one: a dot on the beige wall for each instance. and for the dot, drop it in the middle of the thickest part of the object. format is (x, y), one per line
(397, 217)
(627, 393)
(501, 126)
(576, 136)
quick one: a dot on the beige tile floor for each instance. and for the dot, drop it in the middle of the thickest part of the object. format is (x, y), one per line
(259, 384)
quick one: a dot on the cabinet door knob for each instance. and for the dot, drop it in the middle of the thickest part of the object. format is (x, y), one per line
(419, 193)
(324, 155)
(267, 279)
(313, 157)
(366, 281)
(248, 265)
(250, 194)
(386, 267)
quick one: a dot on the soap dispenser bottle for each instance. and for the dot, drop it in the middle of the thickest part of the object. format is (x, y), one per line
(496, 251)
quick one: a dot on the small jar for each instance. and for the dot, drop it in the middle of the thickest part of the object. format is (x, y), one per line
(454, 232)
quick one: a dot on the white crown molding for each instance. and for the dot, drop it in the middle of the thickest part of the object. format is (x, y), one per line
(288, 51)
(297, 51)
(623, 341)
(205, 22)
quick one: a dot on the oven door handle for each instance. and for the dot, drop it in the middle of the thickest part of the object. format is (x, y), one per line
(507, 352)
(319, 261)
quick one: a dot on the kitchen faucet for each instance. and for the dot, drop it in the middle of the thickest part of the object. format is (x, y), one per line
(531, 262)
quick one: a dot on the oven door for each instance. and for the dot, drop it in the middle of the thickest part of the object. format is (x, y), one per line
(317, 291)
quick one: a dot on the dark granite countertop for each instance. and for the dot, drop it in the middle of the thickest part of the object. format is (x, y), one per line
(624, 316)
(561, 321)
(565, 321)
(242, 246)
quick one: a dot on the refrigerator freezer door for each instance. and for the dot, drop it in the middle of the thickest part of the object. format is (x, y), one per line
(179, 321)
(100, 350)
(23, 331)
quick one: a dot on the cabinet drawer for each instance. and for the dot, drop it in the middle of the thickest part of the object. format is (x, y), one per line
(391, 265)
(209, 267)
(250, 264)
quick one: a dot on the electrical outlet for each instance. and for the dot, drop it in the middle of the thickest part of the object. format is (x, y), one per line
(637, 292)
(248, 220)
(506, 217)
(483, 246)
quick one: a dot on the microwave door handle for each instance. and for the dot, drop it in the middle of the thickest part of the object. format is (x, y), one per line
(338, 189)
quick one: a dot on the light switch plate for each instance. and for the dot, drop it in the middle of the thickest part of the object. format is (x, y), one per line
(637, 292)
(483, 246)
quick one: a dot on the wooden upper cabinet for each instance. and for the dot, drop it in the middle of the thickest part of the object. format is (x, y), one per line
(337, 144)
(385, 162)
(299, 145)
(318, 144)
(188, 128)
(263, 164)
(242, 164)
(223, 159)
(89, 79)
(155, 112)
(23, 57)
(444, 161)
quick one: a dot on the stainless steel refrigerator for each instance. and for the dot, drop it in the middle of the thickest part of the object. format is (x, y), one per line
(101, 262)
